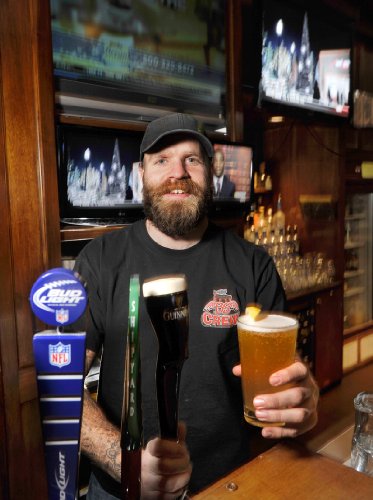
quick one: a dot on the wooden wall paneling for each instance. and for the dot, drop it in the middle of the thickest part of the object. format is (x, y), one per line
(8, 370)
(30, 243)
(328, 338)
(10, 425)
(305, 159)
(234, 107)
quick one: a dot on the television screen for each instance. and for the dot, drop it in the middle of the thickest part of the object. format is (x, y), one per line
(156, 53)
(305, 58)
(98, 174)
(232, 172)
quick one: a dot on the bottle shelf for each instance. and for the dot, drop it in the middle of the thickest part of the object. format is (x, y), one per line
(75, 233)
(355, 217)
(353, 274)
(351, 292)
(354, 244)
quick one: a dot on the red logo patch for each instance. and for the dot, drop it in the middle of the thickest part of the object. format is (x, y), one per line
(220, 312)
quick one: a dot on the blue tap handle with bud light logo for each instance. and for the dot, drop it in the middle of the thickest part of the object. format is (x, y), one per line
(59, 298)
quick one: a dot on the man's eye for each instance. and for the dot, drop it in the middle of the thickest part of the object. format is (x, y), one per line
(193, 160)
(160, 161)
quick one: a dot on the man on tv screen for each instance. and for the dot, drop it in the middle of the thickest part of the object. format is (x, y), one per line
(223, 187)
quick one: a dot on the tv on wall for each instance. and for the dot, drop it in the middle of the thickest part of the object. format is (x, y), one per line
(157, 54)
(233, 165)
(306, 58)
(99, 182)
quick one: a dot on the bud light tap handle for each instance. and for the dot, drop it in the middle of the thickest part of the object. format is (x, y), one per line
(58, 298)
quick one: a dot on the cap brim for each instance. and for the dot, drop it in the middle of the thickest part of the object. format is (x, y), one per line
(207, 146)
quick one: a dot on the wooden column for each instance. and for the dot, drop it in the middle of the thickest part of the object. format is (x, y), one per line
(29, 231)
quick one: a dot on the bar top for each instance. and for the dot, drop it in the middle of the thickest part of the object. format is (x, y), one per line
(288, 471)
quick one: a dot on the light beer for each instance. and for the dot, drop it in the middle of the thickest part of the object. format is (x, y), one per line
(267, 344)
(167, 305)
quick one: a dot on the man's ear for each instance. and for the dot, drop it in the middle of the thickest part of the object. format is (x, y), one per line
(141, 170)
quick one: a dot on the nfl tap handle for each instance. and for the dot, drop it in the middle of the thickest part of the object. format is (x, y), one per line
(59, 298)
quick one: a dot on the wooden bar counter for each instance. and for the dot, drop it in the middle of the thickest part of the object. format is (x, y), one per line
(290, 471)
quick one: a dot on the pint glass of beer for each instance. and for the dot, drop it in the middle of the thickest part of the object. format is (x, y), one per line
(167, 305)
(267, 344)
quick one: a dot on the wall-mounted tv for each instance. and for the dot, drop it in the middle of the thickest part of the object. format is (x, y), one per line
(232, 177)
(98, 175)
(152, 53)
(306, 58)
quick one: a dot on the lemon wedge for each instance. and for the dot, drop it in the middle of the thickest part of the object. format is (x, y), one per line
(253, 310)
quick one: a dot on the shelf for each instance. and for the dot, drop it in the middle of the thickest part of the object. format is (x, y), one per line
(75, 233)
(355, 217)
(362, 328)
(311, 291)
(353, 274)
(354, 244)
(358, 290)
(259, 190)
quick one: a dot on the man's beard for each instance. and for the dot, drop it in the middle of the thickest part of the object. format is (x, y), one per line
(176, 217)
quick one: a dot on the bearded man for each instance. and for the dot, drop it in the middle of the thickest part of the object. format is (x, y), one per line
(177, 237)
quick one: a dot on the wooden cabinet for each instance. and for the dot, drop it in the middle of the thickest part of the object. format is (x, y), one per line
(320, 315)
(328, 340)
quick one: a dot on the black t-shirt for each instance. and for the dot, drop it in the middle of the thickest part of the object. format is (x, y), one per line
(221, 269)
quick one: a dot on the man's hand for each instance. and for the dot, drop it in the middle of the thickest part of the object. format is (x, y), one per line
(165, 468)
(296, 407)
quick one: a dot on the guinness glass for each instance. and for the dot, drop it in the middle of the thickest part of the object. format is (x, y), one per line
(167, 305)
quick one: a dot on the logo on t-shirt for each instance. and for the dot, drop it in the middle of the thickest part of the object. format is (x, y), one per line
(220, 312)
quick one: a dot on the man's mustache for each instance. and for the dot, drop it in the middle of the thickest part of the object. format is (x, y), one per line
(185, 185)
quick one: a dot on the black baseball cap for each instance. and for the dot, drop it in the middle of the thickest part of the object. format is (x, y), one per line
(175, 123)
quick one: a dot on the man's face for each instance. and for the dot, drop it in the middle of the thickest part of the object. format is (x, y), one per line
(177, 186)
(218, 163)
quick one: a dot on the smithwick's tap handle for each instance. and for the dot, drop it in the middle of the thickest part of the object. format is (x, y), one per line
(131, 423)
(167, 305)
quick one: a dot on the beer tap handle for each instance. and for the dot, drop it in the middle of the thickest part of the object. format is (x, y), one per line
(131, 421)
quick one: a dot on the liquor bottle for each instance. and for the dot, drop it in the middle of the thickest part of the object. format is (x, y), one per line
(269, 220)
(251, 235)
(289, 241)
(278, 219)
(295, 240)
(247, 229)
(262, 221)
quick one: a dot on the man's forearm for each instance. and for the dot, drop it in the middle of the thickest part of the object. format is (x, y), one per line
(100, 439)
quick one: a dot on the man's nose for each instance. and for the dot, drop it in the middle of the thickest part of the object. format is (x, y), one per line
(178, 170)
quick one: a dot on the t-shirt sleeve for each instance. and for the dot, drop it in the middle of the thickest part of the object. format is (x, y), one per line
(88, 267)
(270, 293)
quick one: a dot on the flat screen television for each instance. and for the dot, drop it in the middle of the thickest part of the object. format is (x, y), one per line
(98, 175)
(99, 180)
(232, 177)
(156, 54)
(306, 58)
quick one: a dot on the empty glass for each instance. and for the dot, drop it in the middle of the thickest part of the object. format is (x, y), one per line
(362, 441)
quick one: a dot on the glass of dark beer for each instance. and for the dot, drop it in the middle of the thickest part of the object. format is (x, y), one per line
(167, 305)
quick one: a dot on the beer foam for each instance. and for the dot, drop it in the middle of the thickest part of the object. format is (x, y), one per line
(164, 285)
(268, 322)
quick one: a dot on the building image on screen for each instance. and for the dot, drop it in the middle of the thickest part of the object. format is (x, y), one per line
(96, 178)
(305, 60)
(98, 171)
